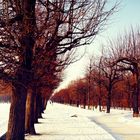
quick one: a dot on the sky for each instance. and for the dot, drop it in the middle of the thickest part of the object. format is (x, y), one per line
(127, 16)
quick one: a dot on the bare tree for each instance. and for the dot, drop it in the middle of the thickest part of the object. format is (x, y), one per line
(105, 74)
(126, 54)
(89, 76)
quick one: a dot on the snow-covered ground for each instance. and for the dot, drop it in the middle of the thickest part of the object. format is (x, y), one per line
(68, 123)
(119, 123)
(62, 122)
(58, 124)
(4, 115)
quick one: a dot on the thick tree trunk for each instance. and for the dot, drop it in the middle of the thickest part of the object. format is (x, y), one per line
(135, 103)
(38, 108)
(29, 119)
(136, 96)
(43, 105)
(16, 125)
(17, 110)
(35, 109)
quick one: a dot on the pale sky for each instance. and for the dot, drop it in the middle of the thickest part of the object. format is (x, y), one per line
(127, 16)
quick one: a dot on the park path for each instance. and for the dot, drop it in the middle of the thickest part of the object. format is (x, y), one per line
(62, 122)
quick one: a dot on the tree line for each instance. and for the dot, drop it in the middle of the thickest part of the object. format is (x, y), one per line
(38, 39)
(112, 79)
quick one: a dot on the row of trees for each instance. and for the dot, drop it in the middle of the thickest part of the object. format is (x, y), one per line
(37, 41)
(112, 79)
(77, 94)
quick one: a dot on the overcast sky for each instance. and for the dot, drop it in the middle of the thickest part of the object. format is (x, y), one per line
(127, 16)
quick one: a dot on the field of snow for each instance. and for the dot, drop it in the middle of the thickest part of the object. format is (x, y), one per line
(4, 115)
(66, 122)
(119, 123)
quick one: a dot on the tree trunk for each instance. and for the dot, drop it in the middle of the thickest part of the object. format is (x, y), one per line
(109, 99)
(17, 110)
(16, 125)
(29, 119)
(77, 104)
(135, 104)
(85, 99)
(136, 97)
(100, 90)
(100, 109)
(35, 109)
(38, 108)
(70, 102)
(78, 100)
(45, 103)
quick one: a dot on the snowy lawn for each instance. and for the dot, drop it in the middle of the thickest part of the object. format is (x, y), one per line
(4, 116)
(62, 122)
(119, 123)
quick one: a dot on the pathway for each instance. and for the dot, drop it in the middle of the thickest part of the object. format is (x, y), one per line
(61, 122)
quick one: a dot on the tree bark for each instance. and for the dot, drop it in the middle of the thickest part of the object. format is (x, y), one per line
(35, 108)
(100, 90)
(109, 99)
(17, 110)
(85, 100)
(16, 125)
(40, 107)
(29, 119)
(45, 100)
(77, 103)
(99, 102)
(45, 103)
(135, 102)
(136, 95)
(135, 105)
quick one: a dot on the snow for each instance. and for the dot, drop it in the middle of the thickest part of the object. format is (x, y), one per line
(68, 123)
(4, 115)
(63, 122)
(120, 124)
